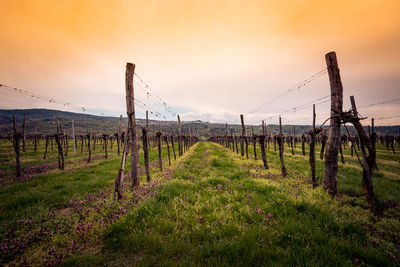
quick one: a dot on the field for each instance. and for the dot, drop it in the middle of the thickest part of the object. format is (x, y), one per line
(211, 207)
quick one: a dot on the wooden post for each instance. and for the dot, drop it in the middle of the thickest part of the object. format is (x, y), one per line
(331, 154)
(105, 140)
(24, 135)
(226, 135)
(292, 139)
(168, 150)
(261, 140)
(373, 142)
(89, 136)
(45, 148)
(242, 137)
(173, 146)
(146, 152)
(341, 150)
(73, 137)
(180, 137)
(254, 143)
(158, 135)
(368, 161)
(130, 110)
(120, 176)
(81, 136)
(281, 144)
(324, 139)
(59, 146)
(312, 151)
(66, 144)
(35, 141)
(16, 140)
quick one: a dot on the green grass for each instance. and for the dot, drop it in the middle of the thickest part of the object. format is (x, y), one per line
(226, 217)
(212, 207)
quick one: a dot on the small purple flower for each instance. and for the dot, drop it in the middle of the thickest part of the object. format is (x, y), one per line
(249, 196)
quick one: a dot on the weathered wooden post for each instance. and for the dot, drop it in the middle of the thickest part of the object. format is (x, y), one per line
(158, 136)
(254, 143)
(332, 147)
(45, 148)
(59, 146)
(341, 150)
(226, 135)
(120, 176)
(168, 150)
(180, 137)
(292, 139)
(261, 140)
(89, 137)
(24, 135)
(303, 147)
(242, 137)
(146, 152)
(35, 141)
(130, 110)
(373, 142)
(17, 137)
(368, 161)
(81, 137)
(105, 140)
(73, 137)
(281, 144)
(312, 151)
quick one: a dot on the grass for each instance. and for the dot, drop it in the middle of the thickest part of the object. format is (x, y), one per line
(211, 207)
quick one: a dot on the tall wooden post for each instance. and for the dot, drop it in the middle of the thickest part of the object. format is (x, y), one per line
(147, 119)
(281, 144)
(89, 136)
(180, 148)
(146, 151)
(130, 110)
(254, 143)
(24, 135)
(373, 143)
(120, 176)
(312, 151)
(73, 137)
(332, 147)
(368, 161)
(226, 135)
(292, 139)
(17, 148)
(243, 136)
(59, 147)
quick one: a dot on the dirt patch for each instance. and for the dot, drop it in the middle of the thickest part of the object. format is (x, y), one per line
(65, 212)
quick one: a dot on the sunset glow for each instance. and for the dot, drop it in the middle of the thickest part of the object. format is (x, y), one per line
(209, 60)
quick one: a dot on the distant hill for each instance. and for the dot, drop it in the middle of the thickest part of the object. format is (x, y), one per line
(44, 121)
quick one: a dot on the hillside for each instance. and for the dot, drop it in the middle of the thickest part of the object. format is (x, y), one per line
(44, 121)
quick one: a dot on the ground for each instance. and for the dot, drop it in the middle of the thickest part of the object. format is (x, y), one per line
(210, 207)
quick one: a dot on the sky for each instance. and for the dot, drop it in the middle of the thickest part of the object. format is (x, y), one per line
(207, 60)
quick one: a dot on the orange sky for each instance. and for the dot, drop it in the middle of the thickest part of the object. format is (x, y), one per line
(210, 60)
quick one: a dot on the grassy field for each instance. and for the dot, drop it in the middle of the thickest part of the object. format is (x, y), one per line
(211, 207)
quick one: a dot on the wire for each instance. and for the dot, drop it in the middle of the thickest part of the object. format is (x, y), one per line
(148, 89)
(380, 103)
(292, 89)
(49, 99)
(306, 105)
